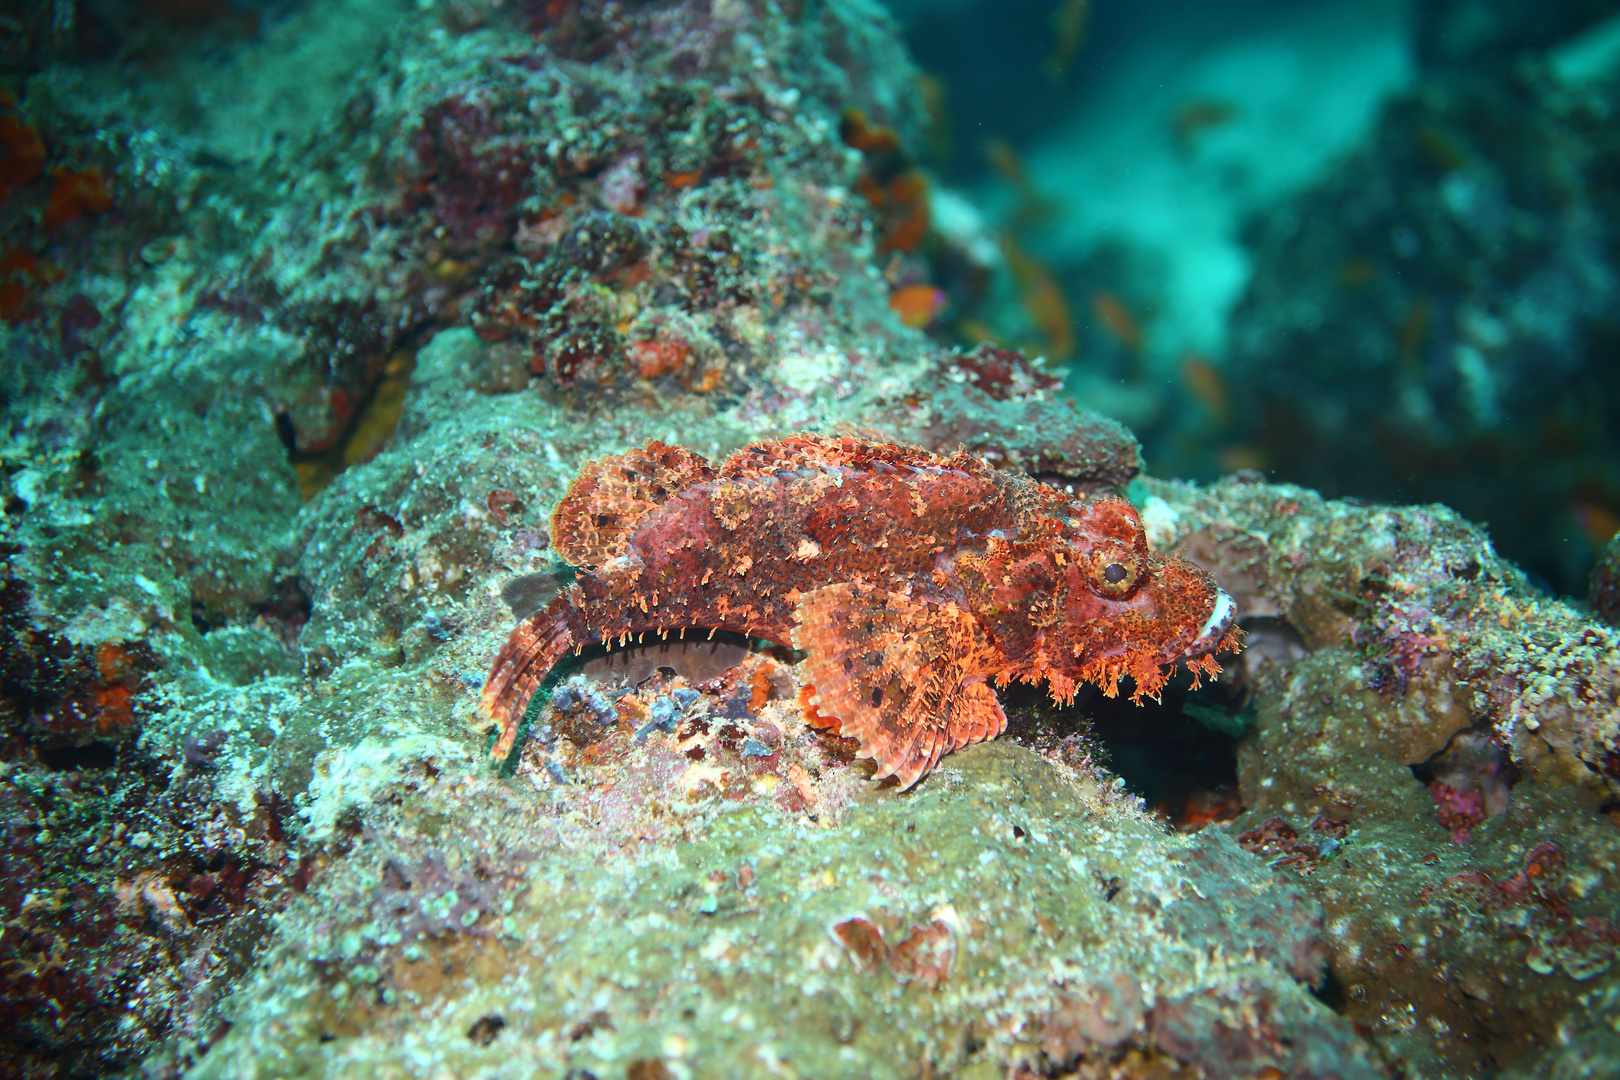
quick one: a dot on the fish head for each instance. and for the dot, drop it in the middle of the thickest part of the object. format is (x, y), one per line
(1127, 610)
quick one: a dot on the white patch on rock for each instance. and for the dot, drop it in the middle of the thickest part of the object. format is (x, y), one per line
(1160, 520)
(355, 775)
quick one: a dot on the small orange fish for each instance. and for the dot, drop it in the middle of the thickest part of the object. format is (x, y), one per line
(1069, 21)
(869, 138)
(1117, 319)
(1357, 272)
(1244, 457)
(897, 190)
(907, 218)
(1043, 299)
(1196, 117)
(917, 305)
(1441, 150)
(932, 92)
(1599, 523)
(1030, 206)
(1411, 334)
(1006, 161)
(971, 331)
(1205, 382)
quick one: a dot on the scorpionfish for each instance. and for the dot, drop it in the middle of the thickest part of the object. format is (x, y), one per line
(910, 581)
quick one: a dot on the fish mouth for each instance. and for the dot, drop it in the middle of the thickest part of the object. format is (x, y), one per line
(1221, 618)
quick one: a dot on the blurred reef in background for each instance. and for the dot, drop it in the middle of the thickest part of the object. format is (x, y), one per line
(310, 311)
(1368, 248)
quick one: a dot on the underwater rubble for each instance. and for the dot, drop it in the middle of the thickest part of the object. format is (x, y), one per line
(292, 390)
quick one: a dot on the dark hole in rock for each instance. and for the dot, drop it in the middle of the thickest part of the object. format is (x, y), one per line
(1331, 993)
(1469, 781)
(283, 612)
(278, 815)
(94, 755)
(1268, 643)
(287, 603)
(350, 822)
(202, 620)
(1180, 756)
(286, 432)
(485, 1028)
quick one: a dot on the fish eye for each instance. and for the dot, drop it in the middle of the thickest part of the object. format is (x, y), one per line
(1114, 571)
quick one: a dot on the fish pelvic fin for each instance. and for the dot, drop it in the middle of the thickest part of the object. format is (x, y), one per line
(904, 676)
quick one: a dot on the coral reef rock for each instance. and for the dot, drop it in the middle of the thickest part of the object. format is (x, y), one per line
(1435, 757)
(1012, 914)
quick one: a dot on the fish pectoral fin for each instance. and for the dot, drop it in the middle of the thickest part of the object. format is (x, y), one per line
(904, 676)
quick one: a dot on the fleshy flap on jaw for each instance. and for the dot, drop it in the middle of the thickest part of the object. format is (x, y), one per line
(1215, 628)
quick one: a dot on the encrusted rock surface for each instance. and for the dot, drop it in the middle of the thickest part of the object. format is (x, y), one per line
(676, 917)
(1431, 746)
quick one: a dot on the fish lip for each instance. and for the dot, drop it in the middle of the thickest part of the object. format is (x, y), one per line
(1221, 618)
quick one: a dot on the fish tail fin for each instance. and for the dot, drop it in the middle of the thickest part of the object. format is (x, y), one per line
(528, 656)
(611, 497)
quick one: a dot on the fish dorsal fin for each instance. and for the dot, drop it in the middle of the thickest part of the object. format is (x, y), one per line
(610, 498)
(904, 676)
(819, 451)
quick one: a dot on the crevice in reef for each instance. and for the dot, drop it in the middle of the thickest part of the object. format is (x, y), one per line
(1331, 992)
(1179, 755)
(370, 426)
(96, 755)
(1470, 781)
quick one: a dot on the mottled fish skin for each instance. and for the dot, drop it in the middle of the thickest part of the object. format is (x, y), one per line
(912, 581)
